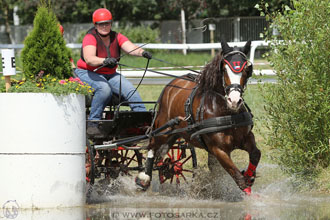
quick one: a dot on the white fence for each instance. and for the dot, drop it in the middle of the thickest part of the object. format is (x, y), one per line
(193, 47)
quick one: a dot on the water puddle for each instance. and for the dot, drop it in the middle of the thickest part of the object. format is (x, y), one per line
(208, 197)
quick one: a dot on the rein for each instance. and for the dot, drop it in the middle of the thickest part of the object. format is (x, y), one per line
(163, 61)
(211, 125)
(145, 71)
(161, 73)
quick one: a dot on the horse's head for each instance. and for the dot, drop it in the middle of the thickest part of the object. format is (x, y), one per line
(236, 69)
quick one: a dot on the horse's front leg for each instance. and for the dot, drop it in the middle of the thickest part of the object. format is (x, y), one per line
(227, 163)
(254, 157)
(144, 178)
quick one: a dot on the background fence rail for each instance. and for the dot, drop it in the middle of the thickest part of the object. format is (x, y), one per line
(204, 46)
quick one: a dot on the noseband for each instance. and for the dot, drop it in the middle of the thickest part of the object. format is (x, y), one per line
(234, 87)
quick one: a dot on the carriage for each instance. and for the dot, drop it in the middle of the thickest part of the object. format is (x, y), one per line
(209, 113)
(121, 148)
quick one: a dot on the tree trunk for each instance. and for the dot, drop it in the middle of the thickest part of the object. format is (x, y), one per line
(7, 25)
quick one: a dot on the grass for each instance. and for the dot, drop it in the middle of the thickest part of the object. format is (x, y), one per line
(322, 181)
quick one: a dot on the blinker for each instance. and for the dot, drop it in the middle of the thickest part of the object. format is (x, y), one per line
(236, 62)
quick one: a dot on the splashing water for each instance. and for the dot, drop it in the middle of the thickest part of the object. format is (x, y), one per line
(213, 194)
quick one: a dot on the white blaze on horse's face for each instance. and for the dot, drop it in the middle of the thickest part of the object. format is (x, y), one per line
(234, 97)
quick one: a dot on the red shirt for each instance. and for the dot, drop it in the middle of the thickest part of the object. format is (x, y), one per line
(89, 39)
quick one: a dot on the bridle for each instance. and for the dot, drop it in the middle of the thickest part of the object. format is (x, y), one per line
(234, 86)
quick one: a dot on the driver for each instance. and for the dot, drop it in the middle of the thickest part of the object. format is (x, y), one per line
(101, 47)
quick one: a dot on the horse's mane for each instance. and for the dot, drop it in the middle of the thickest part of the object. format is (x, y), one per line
(210, 78)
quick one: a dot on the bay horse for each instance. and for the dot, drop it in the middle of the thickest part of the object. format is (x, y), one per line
(214, 102)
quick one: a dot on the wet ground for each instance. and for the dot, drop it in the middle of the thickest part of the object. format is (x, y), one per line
(209, 196)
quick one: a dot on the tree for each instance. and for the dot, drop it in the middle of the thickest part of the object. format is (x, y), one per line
(75, 11)
(6, 8)
(298, 105)
(44, 49)
(80, 11)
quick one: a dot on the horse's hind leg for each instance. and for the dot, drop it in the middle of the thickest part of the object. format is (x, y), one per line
(144, 178)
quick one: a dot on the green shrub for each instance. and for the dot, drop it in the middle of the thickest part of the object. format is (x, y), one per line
(299, 104)
(44, 47)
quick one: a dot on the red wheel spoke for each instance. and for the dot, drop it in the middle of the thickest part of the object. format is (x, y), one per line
(183, 162)
(169, 155)
(190, 171)
(184, 177)
(179, 154)
(177, 179)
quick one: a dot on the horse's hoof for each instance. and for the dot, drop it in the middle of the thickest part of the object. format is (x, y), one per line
(142, 184)
(142, 181)
(249, 180)
(247, 191)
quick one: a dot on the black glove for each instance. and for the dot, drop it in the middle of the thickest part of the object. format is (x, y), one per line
(147, 54)
(110, 62)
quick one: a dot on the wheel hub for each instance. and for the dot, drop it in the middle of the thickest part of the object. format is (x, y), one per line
(177, 168)
(170, 168)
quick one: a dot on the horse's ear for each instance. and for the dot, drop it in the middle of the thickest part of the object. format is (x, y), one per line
(247, 47)
(225, 47)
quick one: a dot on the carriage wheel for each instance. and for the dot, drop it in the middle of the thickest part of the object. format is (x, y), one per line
(178, 164)
(122, 161)
(90, 170)
(90, 163)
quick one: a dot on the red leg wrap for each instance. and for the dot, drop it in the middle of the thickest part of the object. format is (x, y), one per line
(250, 170)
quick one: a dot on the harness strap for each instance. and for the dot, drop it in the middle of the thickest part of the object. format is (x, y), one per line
(200, 110)
(221, 128)
(190, 118)
(225, 120)
(216, 124)
(188, 106)
(200, 116)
